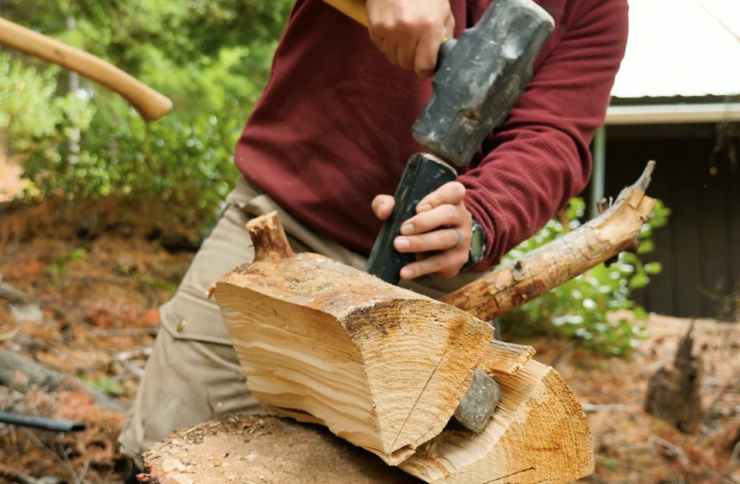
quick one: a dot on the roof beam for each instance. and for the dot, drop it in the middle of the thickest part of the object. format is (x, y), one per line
(673, 114)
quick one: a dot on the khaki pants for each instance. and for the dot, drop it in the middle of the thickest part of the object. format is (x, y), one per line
(193, 374)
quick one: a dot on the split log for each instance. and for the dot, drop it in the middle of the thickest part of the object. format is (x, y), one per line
(381, 366)
(617, 229)
(538, 433)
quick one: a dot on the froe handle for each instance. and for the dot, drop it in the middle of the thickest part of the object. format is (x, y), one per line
(356, 10)
(149, 103)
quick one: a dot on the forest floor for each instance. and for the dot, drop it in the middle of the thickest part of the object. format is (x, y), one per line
(88, 309)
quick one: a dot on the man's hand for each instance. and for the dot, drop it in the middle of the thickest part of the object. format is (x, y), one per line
(409, 32)
(441, 250)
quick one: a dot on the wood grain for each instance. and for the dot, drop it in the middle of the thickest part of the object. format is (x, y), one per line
(380, 366)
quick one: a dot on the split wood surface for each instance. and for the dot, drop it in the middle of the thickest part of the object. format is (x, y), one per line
(384, 368)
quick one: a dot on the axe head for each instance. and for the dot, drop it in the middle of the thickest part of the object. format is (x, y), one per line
(481, 77)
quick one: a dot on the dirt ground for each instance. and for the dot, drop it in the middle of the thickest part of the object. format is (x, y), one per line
(92, 314)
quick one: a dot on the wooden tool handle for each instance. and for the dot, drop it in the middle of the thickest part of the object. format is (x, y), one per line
(354, 9)
(150, 104)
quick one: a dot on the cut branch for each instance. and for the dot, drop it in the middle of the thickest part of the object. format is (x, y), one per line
(537, 272)
(44, 377)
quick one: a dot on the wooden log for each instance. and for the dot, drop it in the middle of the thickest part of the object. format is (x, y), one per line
(536, 436)
(381, 366)
(263, 449)
(617, 229)
(538, 433)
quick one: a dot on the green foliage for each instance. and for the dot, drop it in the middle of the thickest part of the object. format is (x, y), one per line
(211, 57)
(585, 307)
(30, 109)
(59, 264)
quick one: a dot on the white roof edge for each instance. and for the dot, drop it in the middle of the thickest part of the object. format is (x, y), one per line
(673, 113)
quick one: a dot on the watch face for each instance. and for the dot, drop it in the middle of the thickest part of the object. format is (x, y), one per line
(477, 245)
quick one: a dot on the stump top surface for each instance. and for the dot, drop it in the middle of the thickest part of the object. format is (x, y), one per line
(261, 450)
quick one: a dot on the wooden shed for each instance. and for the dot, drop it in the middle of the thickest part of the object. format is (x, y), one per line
(676, 100)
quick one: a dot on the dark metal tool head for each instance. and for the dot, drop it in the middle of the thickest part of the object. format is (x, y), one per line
(481, 77)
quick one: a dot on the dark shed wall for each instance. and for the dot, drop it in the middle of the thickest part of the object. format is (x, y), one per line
(700, 246)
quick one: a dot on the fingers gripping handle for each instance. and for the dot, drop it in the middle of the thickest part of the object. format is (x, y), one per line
(423, 175)
(356, 10)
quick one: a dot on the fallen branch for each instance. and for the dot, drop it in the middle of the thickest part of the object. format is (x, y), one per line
(535, 273)
(125, 357)
(43, 377)
(13, 295)
(111, 333)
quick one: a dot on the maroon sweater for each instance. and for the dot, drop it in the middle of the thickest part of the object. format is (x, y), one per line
(333, 126)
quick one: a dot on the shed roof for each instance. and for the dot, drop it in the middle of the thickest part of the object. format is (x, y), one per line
(688, 48)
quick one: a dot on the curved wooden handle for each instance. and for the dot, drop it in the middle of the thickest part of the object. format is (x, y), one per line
(354, 9)
(150, 104)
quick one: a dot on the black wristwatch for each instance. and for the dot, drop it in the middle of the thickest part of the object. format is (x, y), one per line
(477, 246)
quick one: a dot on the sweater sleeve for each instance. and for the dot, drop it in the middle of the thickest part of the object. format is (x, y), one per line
(539, 158)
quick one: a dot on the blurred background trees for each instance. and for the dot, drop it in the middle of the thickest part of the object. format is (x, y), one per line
(76, 139)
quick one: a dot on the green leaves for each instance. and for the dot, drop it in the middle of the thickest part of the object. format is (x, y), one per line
(591, 307)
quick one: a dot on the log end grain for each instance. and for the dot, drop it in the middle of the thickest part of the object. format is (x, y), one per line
(264, 450)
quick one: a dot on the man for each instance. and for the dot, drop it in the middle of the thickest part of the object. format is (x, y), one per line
(326, 146)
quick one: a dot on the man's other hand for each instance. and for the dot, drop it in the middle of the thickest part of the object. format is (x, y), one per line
(439, 233)
(409, 32)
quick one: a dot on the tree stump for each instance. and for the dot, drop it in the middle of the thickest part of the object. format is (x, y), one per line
(674, 393)
(246, 449)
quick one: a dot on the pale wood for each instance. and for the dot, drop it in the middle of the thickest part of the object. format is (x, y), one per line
(507, 358)
(354, 9)
(538, 434)
(259, 449)
(537, 272)
(150, 104)
(381, 366)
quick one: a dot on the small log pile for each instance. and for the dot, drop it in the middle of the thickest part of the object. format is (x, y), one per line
(384, 368)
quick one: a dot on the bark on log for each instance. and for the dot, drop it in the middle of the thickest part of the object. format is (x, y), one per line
(381, 366)
(535, 273)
